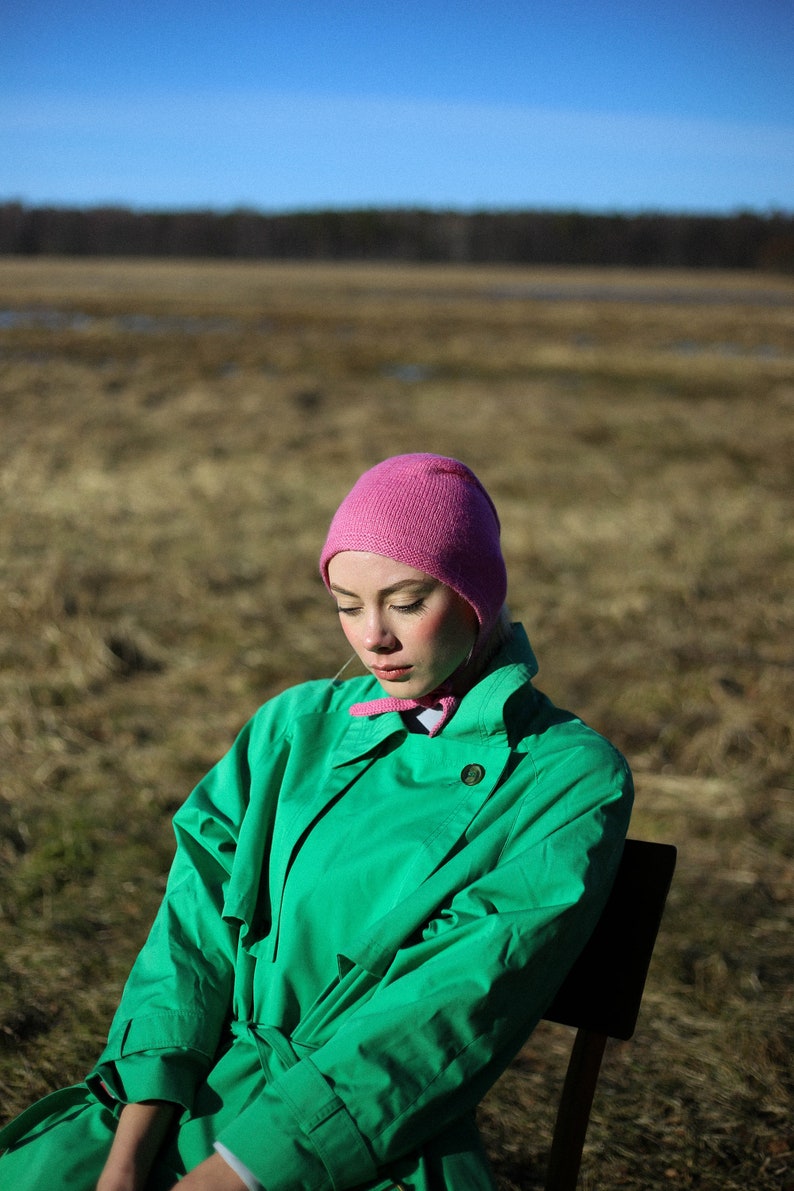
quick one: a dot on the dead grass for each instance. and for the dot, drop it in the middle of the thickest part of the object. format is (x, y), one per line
(174, 438)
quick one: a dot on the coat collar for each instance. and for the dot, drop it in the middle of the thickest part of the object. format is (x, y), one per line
(483, 714)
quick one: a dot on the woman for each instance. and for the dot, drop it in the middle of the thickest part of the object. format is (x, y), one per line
(374, 897)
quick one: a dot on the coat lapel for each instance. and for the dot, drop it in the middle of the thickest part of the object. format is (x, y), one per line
(330, 750)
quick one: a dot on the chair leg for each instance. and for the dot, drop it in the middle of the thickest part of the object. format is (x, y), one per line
(573, 1114)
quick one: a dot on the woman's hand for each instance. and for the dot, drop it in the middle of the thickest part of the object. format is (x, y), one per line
(214, 1174)
(139, 1135)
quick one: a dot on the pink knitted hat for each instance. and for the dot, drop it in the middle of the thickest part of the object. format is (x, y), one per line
(431, 513)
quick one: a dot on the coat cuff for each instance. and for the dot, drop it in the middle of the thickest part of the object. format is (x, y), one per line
(156, 1075)
(161, 1056)
(159, 1031)
(298, 1132)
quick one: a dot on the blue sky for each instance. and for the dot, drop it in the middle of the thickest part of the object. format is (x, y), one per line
(686, 105)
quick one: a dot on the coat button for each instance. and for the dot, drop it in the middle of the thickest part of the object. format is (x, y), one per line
(471, 775)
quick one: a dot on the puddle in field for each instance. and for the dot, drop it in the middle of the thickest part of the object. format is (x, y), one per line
(49, 320)
(654, 294)
(409, 374)
(134, 324)
(761, 351)
(52, 319)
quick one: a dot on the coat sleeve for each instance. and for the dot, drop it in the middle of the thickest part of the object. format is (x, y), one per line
(165, 1032)
(455, 1004)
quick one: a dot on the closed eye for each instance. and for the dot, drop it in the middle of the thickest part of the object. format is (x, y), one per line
(416, 606)
(406, 609)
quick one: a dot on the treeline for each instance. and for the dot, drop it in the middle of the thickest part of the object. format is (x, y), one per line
(744, 240)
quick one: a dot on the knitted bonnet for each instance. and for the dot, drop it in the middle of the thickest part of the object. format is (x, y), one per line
(433, 514)
(430, 513)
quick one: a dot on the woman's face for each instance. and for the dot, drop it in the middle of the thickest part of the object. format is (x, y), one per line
(410, 631)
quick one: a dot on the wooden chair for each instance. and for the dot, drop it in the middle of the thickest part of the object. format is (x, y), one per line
(602, 992)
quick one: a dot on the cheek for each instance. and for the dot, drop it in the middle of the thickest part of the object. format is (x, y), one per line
(449, 635)
(348, 628)
(423, 631)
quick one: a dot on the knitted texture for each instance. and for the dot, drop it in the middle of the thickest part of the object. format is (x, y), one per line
(431, 513)
(448, 704)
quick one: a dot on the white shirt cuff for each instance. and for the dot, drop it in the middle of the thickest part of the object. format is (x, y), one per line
(250, 1180)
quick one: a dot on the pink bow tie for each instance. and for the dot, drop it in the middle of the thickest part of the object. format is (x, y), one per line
(448, 703)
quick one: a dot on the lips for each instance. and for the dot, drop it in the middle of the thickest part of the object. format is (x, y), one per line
(390, 673)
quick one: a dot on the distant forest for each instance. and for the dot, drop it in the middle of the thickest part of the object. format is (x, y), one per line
(744, 240)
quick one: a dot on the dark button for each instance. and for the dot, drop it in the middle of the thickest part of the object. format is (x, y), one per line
(470, 775)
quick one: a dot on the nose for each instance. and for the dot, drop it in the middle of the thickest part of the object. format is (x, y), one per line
(378, 637)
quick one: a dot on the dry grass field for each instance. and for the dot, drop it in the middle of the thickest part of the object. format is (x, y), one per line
(173, 440)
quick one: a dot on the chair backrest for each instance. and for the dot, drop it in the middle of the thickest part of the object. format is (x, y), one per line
(601, 994)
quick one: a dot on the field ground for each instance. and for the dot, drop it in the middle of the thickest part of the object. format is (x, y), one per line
(173, 440)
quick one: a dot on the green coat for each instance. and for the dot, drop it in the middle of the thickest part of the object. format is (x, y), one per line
(361, 927)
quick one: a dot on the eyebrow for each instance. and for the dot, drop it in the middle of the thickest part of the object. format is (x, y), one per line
(416, 585)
